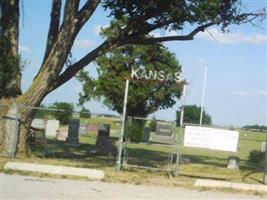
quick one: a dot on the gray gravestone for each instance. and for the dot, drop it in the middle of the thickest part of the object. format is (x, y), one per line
(233, 162)
(52, 128)
(38, 124)
(164, 130)
(73, 132)
(146, 134)
(164, 134)
(83, 129)
(104, 144)
(263, 147)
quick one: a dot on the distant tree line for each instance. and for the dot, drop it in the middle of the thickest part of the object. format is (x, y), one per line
(256, 127)
(61, 111)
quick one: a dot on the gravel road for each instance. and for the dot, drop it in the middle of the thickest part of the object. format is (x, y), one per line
(26, 187)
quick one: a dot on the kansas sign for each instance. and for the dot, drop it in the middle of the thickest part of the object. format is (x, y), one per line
(143, 74)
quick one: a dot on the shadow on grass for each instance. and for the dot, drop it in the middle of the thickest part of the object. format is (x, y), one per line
(248, 176)
(59, 150)
(148, 158)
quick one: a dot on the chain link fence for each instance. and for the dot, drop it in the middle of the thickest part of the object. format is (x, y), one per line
(92, 140)
(84, 138)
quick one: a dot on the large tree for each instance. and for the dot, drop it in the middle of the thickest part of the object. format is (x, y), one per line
(132, 22)
(192, 115)
(144, 97)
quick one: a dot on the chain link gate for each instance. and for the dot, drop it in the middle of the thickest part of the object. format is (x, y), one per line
(149, 144)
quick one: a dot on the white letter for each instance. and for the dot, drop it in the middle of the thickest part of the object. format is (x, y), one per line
(161, 76)
(143, 75)
(169, 77)
(134, 73)
(177, 77)
(152, 75)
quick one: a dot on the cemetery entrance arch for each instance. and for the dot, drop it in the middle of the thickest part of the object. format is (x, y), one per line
(159, 148)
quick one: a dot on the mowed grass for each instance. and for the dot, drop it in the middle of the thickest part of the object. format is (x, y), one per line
(204, 163)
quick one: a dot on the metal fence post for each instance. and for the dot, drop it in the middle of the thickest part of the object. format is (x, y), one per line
(181, 131)
(118, 162)
(265, 165)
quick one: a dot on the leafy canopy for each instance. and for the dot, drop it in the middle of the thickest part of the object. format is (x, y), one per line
(192, 115)
(143, 97)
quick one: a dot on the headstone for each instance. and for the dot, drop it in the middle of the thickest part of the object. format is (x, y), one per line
(164, 134)
(146, 134)
(233, 162)
(62, 134)
(52, 128)
(164, 130)
(104, 130)
(83, 129)
(263, 147)
(73, 132)
(38, 124)
(104, 144)
(92, 127)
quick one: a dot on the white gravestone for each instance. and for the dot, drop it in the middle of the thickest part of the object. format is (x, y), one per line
(52, 128)
(38, 124)
(263, 147)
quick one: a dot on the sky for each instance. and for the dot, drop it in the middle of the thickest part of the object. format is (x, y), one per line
(236, 89)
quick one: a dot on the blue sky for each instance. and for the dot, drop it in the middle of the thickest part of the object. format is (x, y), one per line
(236, 92)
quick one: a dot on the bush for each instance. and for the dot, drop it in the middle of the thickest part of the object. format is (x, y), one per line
(256, 158)
(135, 131)
(85, 113)
(66, 111)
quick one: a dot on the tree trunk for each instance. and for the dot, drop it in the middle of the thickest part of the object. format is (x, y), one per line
(15, 124)
(9, 33)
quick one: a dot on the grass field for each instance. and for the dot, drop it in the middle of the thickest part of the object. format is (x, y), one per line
(203, 163)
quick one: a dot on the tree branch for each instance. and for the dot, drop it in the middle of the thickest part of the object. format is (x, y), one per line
(70, 9)
(190, 36)
(54, 26)
(86, 11)
(73, 69)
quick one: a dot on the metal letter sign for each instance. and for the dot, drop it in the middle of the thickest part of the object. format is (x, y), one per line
(143, 74)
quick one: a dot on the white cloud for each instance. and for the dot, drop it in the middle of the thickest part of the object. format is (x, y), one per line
(214, 34)
(83, 43)
(97, 28)
(24, 49)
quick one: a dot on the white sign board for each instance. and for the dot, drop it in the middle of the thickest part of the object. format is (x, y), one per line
(212, 138)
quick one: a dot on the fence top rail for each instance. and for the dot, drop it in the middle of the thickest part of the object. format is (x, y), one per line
(209, 126)
(54, 109)
(150, 119)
